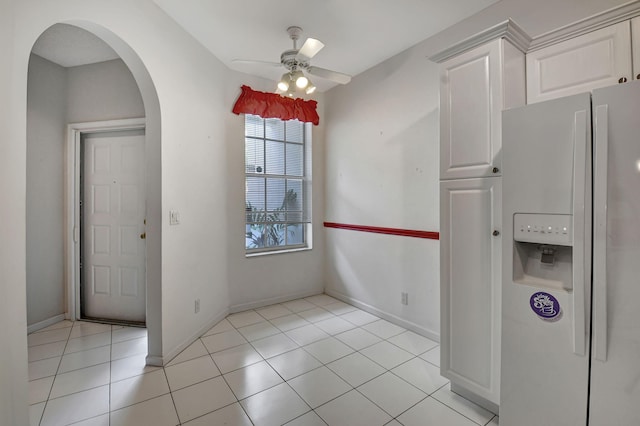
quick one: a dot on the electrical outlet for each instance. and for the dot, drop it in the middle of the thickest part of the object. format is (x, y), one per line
(404, 298)
(197, 306)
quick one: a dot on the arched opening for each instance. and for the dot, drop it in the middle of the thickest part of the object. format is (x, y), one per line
(104, 91)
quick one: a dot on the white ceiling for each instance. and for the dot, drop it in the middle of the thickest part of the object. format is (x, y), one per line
(358, 34)
(71, 46)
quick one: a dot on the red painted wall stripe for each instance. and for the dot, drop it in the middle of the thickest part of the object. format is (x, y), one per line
(389, 231)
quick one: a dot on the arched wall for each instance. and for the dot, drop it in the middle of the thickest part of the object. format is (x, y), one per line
(195, 166)
(153, 179)
(175, 75)
(46, 123)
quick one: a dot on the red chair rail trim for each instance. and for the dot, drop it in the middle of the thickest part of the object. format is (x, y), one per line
(430, 235)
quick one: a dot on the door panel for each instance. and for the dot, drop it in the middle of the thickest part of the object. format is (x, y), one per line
(470, 284)
(615, 378)
(113, 252)
(470, 88)
(597, 59)
(543, 380)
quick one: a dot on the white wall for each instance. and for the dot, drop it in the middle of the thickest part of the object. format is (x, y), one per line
(191, 87)
(201, 142)
(261, 280)
(46, 118)
(13, 353)
(57, 96)
(202, 158)
(382, 170)
(382, 166)
(102, 91)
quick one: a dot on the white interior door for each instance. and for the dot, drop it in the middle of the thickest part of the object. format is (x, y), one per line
(113, 219)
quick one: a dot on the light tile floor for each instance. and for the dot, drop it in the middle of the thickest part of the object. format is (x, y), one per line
(312, 361)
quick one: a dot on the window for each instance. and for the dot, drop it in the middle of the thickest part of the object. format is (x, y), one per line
(277, 190)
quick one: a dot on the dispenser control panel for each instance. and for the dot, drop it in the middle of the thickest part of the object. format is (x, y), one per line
(543, 228)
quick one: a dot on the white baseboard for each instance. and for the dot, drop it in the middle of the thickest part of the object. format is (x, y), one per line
(160, 361)
(163, 360)
(460, 390)
(266, 302)
(44, 324)
(430, 334)
(155, 361)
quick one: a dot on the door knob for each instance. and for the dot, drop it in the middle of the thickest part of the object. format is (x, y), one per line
(495, 232)
(143, 236)
(622, 80)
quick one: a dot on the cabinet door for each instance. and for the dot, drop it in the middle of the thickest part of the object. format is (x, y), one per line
(467, 89)
(470, 261)
(597, 59)
(635, 46)
(474, 88)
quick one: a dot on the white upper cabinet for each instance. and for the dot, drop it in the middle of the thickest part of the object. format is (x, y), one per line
(475, 87)
(596, 59)
(635, 47)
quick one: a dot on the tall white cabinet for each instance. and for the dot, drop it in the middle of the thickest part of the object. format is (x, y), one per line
(498, 69)
(478, 79)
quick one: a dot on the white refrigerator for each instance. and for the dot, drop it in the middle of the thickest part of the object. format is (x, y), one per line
(571, 266)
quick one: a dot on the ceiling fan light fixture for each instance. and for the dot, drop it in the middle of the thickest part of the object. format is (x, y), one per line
(298, 77)
(284, 82)
(310, 88)
(302, 82)
(291, 91)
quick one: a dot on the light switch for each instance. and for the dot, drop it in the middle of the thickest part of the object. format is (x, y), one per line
(174, 217)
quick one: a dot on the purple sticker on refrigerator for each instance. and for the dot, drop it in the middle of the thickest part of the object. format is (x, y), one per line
(545, 306)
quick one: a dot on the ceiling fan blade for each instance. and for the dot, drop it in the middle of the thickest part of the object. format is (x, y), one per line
(338, 77)
(309, 49)
(250, 62)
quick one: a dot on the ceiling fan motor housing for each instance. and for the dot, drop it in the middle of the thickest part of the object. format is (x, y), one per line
(290, 62)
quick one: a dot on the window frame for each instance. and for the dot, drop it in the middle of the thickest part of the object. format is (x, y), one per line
(305, 188)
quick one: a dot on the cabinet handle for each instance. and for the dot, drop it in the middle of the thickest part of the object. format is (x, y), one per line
(622, 80)
(495, 170)
(638, 77)
(495, 232)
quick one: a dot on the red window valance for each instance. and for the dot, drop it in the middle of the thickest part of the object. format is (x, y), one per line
(272, 105)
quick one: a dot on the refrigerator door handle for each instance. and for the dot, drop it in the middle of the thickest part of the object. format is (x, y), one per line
(601, 131)
(579, 258)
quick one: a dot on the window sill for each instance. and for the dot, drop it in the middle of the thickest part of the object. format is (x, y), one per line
(285, 251)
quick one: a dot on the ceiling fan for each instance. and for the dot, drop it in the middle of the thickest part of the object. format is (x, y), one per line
(298, 60)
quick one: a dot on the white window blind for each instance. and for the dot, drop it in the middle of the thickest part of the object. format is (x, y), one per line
(277, 205)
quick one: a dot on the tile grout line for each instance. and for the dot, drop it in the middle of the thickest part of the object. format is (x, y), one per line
(284, 381)
(173, 401)
(325, 365)
(110, 377)
(46, 402)
(262, 358)
(454, 409)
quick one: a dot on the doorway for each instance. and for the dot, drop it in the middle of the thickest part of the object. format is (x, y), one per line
(106, 166)
(112, 212)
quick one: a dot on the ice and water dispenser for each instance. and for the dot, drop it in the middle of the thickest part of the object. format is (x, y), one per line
(546, 188)
(542, 252)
